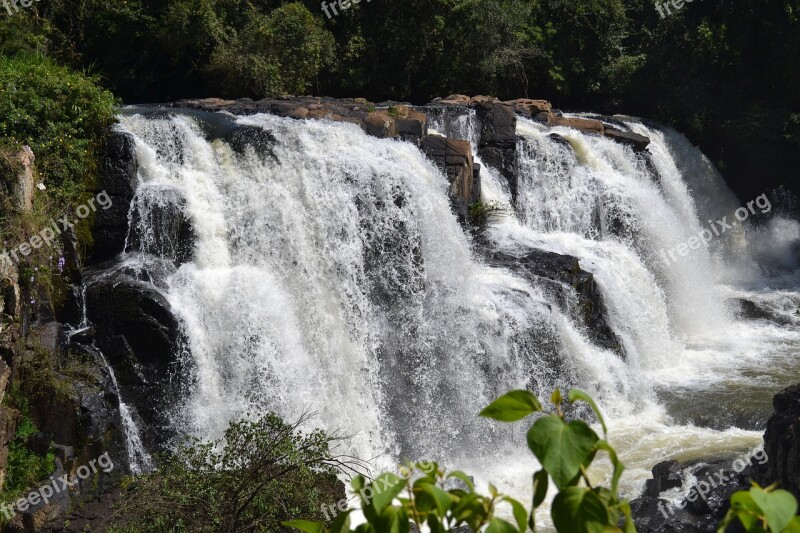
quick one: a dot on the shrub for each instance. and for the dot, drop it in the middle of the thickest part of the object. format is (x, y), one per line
(25, 468)
(61, 115)
(259, 474)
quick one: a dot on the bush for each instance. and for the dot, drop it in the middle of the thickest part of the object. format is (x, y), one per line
(25, 468)
(261, 473)
(61, 115)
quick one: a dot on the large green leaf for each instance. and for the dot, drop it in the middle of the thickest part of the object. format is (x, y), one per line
(386, 488)
(512, 406)
(579, 510)
(562, 448)
(778, 506)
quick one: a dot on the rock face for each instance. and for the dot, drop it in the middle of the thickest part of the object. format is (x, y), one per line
(638, 142)
(118, 177)
(170, 233)
(702, 506)
(23, 192)
(454, 157)
(782, 442)
(574, 289)
(139, 336)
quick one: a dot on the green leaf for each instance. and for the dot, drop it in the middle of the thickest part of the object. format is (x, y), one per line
(439, 498)
(778, 506)
(386, 487)
(578, 510)
(305, 525)
(576, 395)
(512, 406)
(520, 514)
(793, 526)
(498, 525)
(458, 474)
(618, 466)
(539, 488)
(556, 398)
(562, 448)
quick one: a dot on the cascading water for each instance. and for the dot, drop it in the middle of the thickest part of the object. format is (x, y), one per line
(329, 275)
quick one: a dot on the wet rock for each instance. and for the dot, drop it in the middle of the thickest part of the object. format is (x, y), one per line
(9, 418)
(161, 227)
(782, 442)
(666, 475)
(118, 177)
(139, 336)
(454, 157)
(498, 125)
(39, 442)
(586, 125)
(639, 143)
(573, 288)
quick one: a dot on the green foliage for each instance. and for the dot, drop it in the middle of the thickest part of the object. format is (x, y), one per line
(275, 54)
(261, 473)
(61, 115)
(481, 213)
(565, 449)
(763, 511)
(25, 468)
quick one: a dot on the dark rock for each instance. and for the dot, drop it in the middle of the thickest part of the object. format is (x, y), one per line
(749, 310)
(573, 288)
(454, 157)
(118, 178)
(666, 475)
(139, 336)
(498, 125)
(39, 442)
(782, 442)
(504, 160)
(160, 226)
(242, 136)
(639, 143)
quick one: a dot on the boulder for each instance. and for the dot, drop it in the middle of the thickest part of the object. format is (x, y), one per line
(573, 288)
(454, 157)
(498, 125)
(529, 108)
(666, 475)
(118, 177)
(782, 442)
(139, 336)
(639, 143)
(160, 226)
(380, 124)
(586, 125)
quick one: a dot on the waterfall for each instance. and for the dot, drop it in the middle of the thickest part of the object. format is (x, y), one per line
(330, 276)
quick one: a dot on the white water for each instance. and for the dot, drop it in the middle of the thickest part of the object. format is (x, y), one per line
(332, 277)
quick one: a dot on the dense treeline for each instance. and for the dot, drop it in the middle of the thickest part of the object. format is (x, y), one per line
(725, 72)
